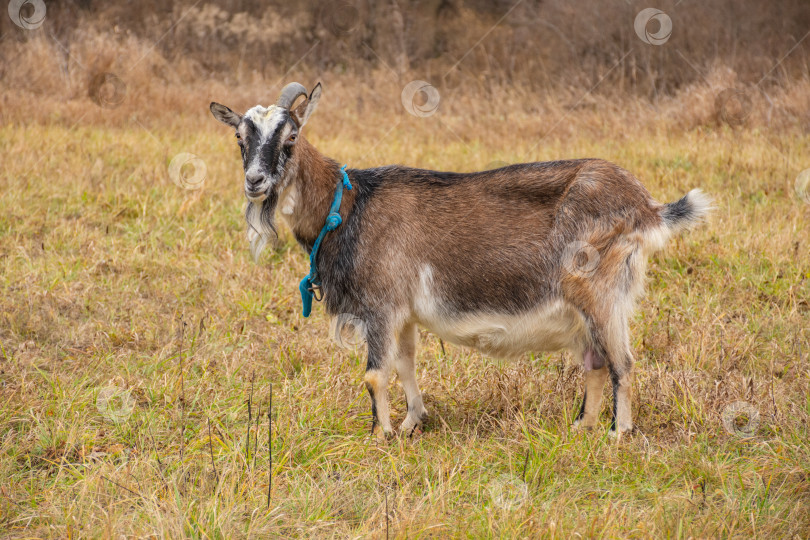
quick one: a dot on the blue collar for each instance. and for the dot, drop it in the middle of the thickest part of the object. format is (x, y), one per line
(312, 283)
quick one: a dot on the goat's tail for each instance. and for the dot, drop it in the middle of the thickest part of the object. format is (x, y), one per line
(687, 211)
(677, 216)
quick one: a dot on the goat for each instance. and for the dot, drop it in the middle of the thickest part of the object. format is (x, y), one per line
(491, 260)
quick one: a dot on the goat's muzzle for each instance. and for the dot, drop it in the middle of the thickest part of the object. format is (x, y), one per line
(253, 183)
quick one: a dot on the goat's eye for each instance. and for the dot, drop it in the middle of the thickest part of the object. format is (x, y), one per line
(238, 136)
(292, 138)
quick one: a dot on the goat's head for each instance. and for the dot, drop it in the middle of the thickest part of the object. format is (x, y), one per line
(267, 137)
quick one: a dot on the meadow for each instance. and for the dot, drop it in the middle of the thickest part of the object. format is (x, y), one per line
(141, 348)
(136, 328)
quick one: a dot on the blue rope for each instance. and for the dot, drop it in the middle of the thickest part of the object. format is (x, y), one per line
(333, 220)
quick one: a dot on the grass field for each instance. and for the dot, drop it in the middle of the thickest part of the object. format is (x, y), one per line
(135, 327)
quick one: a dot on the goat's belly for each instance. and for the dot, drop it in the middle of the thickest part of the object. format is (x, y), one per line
(548, 328)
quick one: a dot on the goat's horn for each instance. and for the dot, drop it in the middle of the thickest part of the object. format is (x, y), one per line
(290, 93)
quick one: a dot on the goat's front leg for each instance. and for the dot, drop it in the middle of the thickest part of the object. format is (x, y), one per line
(381, 351)
(406, 369)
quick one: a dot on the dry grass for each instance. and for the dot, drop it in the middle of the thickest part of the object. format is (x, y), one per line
(112, 276)
(539, 45)
(104, 260)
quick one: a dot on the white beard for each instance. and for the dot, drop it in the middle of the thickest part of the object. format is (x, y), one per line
(260, 227)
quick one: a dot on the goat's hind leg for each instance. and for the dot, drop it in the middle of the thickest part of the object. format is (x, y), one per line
(595, 376)
(622, 414)
(620, 363)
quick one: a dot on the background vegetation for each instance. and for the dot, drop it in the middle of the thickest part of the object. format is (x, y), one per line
(135, 328)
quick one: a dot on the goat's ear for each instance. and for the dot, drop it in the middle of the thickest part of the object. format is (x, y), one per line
(301, 113)
(225, 115)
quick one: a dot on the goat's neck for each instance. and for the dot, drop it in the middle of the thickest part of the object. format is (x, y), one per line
(305, 201)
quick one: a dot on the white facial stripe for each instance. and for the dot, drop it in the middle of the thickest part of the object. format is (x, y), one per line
(266, 120)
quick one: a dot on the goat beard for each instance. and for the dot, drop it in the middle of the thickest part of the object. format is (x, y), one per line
(260, 223)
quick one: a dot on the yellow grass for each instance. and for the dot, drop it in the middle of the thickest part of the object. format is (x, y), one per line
(115, 277)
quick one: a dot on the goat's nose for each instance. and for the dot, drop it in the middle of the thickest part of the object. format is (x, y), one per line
(254, 179)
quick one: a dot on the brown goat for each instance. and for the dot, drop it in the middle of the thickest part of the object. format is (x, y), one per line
(530, 257)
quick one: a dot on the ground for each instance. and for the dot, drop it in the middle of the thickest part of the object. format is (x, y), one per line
(135, 329)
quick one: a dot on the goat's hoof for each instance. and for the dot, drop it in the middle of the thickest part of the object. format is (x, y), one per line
(382, 434)
(416, 429)
(579, 426)
(613, 433)
(413, 426)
